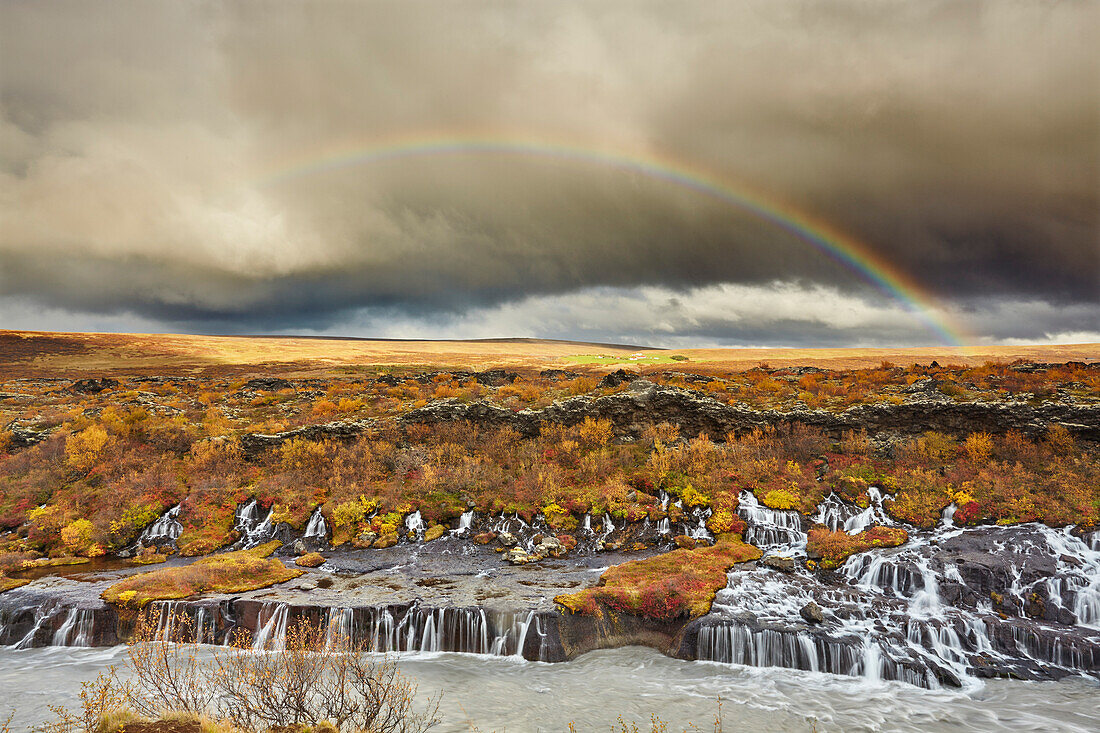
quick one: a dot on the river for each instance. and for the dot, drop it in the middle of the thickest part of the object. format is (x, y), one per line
(498, 694)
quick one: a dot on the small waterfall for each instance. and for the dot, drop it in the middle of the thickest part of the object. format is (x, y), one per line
(317, 528)
(340, 627)
(76, 629)
(165, 529)
(947, 518)
(699, 531)
(735, 643)
(664, 526)
(414, 526)
(586, 523)
(254, 530)
(271, 622)
(42, 615)
(837, 514)
(246, 515)
(181, 622)
(466, 630)
(608, 526)
(465, 522)
(771, 529)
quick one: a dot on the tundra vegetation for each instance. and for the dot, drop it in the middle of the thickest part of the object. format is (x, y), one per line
(105, 461)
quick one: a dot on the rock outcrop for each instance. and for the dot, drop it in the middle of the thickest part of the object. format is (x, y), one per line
(645, 403)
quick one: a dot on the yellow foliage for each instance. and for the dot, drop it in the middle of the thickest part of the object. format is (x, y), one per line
(84, 449)
(594, 433)
(77, 536)
(693, 498)
(979, 446)
(780, 499)
(302, 455)
(351, 513)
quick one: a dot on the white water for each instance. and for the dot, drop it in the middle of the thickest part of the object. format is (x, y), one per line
(592, 691)
(167, 527)
(317, 528)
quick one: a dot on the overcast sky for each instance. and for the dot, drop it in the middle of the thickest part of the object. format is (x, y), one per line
(959, 141)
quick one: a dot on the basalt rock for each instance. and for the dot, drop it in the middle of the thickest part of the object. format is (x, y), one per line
(645, 403)
(343, 431)
(267, 384)
(93, 386)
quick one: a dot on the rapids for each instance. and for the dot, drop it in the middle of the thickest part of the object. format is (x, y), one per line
(505, 693)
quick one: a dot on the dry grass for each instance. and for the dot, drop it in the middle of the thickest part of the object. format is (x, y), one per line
(232, 572)
(7, 583)
(677, 584)
(80, 354)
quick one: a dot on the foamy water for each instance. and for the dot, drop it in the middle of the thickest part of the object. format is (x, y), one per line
(507, 694)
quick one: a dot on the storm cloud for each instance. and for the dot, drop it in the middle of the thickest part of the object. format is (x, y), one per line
(154, 156)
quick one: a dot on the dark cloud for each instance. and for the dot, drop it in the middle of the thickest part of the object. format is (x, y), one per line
(140, 142)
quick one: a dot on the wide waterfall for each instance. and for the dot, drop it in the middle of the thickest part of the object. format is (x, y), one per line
(949, 606)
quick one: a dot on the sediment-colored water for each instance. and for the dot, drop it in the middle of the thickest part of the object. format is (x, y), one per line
(509, 694)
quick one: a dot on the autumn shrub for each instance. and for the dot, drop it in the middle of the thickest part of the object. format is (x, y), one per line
(319, 681)
(836, 547)
(677, 584)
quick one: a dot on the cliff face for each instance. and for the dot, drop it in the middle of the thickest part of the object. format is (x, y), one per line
(646, 403)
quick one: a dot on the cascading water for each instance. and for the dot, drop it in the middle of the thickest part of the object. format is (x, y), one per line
(317, 528)
(417, 628)
(837, 514)
(254, 525)
(271, 627)
(772, 530)
(699, 531)
(951, 604)
(414, 526)
(465, 523)
(76, 630)
(166, 529)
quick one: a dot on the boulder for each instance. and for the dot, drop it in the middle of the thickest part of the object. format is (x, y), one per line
(387, 540)
(811, 613)
(310, 560)
(782, 564)
(435, 532)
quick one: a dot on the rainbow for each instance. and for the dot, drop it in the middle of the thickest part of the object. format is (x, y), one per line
(819, 234)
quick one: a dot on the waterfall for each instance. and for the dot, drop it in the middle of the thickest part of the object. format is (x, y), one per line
(735, 643)
(254, 531)
(465, 522)
(166, 528)
(317, 528)
(467, 630)
(42, 614)
(271, 622)
(414, 525)
(699, 531)
(586, 523)
(245, 515)
(608, 526)
(837, 514)
(771, 529)
(947, 518)
(339, 628)
(664, 526)
(76, 629)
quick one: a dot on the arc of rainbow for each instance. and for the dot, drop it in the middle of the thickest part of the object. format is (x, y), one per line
(852, 254)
